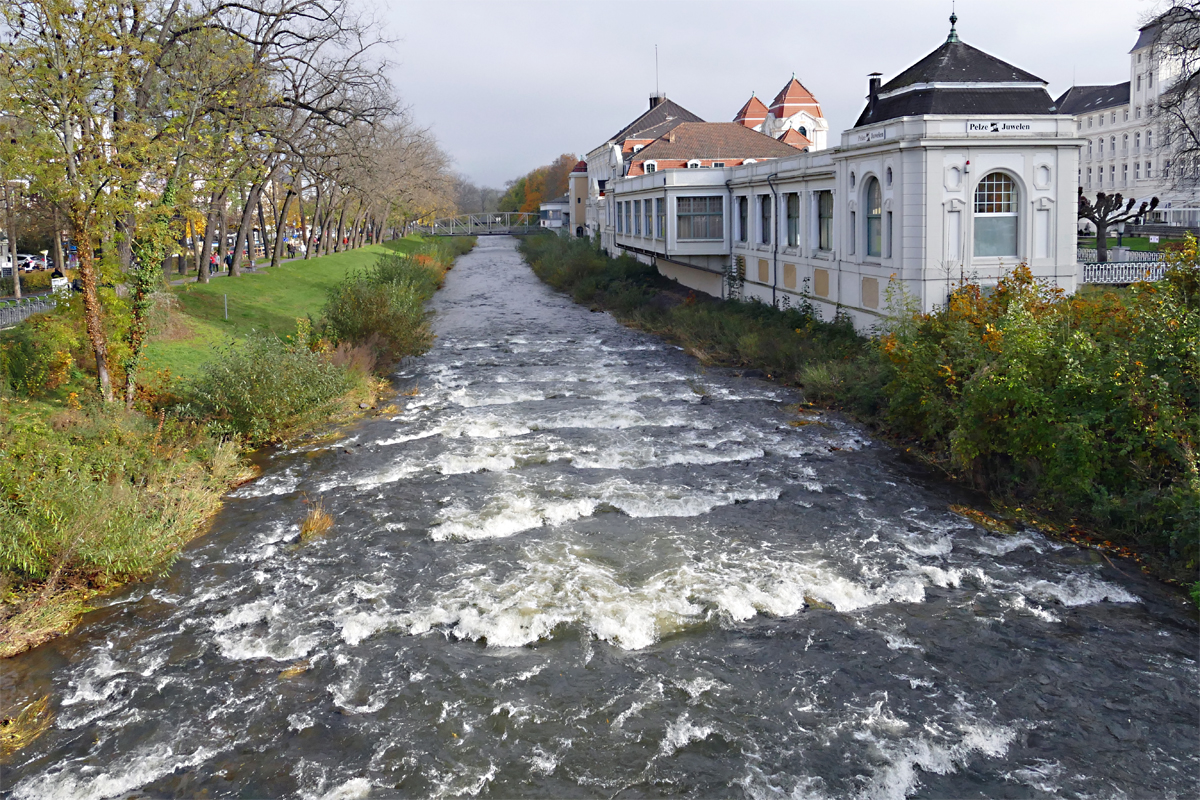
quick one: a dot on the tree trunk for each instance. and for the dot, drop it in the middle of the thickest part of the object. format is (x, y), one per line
(341, 227)
(11, 220)
(223, 231)
(1102, 243)
(242, 242)
(91, 308)
(210, 222)
(59, 263)
(262, 227)
(277, 250)
(310, 240)
(303, 221)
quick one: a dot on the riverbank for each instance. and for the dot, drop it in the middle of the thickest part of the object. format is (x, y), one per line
(1079, 415)
(93, 497)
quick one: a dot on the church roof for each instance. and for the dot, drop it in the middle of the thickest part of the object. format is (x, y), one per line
(655, 122)
(957, 78)
(580, 167)
(751, 114)
(794, 98)
(1086, 99)
(714, 140)
(795, 138)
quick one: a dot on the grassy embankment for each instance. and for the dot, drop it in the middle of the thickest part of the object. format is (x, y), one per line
(92, 497)
(1078, 414)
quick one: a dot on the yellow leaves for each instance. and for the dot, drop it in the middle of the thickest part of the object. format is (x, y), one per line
(993, 338)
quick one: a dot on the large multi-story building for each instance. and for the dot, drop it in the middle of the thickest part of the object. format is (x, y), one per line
(959, 168)
(1123, 148)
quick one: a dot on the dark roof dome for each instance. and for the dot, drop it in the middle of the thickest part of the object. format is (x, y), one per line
(957, 78)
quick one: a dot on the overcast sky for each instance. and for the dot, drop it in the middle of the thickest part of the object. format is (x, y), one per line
(508, 85)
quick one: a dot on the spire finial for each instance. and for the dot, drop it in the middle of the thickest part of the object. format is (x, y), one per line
(953, 37)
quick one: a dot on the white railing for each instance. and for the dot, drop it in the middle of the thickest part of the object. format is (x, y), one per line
(14, 311)
(1087, 255)
(1123, 273)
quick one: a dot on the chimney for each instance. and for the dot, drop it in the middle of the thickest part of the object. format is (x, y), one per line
(873, 89)
(655, 99)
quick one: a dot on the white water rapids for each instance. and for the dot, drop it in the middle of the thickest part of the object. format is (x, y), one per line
(576, 563)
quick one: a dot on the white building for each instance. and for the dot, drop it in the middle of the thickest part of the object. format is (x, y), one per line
(958, 169)
(554, 214)
(1122, 149)
(794, 117)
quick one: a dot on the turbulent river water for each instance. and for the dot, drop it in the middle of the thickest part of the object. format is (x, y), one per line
(576, 563)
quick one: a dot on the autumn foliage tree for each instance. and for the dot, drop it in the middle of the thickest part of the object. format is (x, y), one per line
(538, 186)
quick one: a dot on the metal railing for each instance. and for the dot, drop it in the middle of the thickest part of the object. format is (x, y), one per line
(15, 311)
(1087, 255)
(497, 223)
(1124, 272)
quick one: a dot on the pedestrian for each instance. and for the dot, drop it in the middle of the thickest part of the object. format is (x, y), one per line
(229, 261)
(212, 264)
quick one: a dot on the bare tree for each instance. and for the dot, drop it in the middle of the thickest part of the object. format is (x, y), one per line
(1177, 47)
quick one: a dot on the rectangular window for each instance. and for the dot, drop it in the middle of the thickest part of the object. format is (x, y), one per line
(1089, 181)
(620, 207)
(661, 228)
(764, 218)
(743, 219)
(888, 244)
(1139, 83)
(1149, 169)
(1112, 175)
(637, 217)
(793, 219)
(1125, 173)
(700, 218)
(853, 231)
(628, 221)
(824, 220)
(650, 167)
(649, 220)
(718, 165)
(1137, 171)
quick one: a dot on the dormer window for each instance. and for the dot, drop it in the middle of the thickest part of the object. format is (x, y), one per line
(637, 148)
(750, 161)
(803, 131)
(718, 165)
(651, 166)
(693, 164)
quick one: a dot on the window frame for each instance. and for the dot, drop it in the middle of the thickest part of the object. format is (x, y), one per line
(793, 219)
(637, 217)
(873, 218)
(743, 210)
(766, 218)
(1008, 196)
(712, 219)
(824, 206)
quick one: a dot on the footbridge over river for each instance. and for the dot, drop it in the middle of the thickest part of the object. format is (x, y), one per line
(496, 223)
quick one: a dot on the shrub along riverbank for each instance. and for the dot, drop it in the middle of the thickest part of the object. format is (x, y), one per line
(1086, 408)
(92, 497)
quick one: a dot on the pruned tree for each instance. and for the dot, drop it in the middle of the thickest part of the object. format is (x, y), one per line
(1109, 210)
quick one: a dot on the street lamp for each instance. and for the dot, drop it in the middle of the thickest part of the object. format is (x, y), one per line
(1120, 233)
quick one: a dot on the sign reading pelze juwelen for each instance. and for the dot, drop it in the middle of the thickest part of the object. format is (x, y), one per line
(1001, 127)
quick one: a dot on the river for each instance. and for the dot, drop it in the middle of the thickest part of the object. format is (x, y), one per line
(577, 563)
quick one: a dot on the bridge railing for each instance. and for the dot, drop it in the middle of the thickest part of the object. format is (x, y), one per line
(499, 222)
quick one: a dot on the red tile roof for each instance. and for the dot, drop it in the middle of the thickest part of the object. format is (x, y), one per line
(793, 99)
(580, 167)
(751, 114)
(795, 138)
(706, 142)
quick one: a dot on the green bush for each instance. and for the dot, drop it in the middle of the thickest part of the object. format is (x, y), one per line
(102, 497)
(37, 356)
(264, 388)
(1088, 404)
(383, 308)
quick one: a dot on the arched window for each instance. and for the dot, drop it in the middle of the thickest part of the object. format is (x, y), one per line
(874, 218)
(996, 216)
(1149, 140)
(803, 131)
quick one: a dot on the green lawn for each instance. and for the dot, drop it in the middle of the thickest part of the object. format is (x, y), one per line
(1138, 243)
(271, 300)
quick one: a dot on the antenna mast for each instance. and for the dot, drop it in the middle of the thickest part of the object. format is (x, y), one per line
(656, 69)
